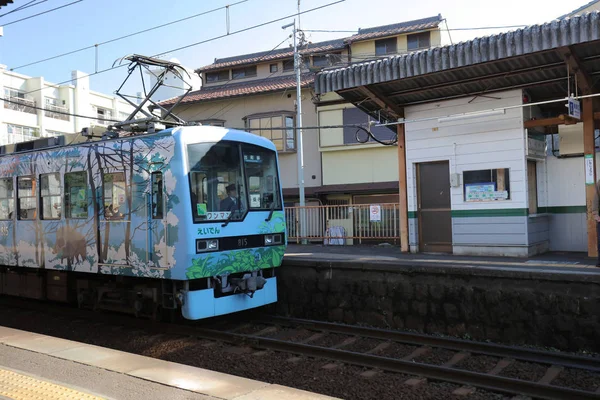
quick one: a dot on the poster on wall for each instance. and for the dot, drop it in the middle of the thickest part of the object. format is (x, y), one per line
(589, 169)
(484, 192)
(375, 213)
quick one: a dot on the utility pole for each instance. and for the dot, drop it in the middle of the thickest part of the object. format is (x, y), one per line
(300, 150)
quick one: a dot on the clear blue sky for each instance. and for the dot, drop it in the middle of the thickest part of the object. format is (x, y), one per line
(93, 21)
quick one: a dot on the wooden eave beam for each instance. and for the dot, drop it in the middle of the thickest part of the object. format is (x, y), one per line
(560, 120)
(584, 80)
(383, 102)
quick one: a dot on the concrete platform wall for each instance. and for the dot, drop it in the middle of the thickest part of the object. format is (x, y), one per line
(560, 310)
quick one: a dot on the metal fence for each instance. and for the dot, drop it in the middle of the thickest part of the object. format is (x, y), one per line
(344, 224)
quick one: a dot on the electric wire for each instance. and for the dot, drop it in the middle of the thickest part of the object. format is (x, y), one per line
(125, 36)
(198, 43)
(42, 13)
(24, 6)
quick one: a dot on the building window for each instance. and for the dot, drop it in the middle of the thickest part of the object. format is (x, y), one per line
(115, 195)
(278, 128)
(17, 134)
(217, 76)
(486, 185)
(18, 101)
(50, 133)
(76, 198)
(321, 61)
(54, 110)
(355, 116)
(273, 68)
(104, 116)
(157, 195)
(386, 46)
(241, 73)
(532, 186)
(27, 200)
(7, 199)
(419, 41)
(212, 122)
(288, 65)
(51, 196)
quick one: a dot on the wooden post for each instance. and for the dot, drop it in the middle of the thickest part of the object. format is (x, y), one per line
(589, 148)
(402, 188)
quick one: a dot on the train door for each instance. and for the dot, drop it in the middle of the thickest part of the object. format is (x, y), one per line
(8, 251)
(157, 222)
(28, 254)
(115, 243)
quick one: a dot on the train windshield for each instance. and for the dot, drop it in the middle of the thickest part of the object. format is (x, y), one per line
(228, 179)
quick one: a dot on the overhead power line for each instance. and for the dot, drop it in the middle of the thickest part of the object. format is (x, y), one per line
(24, 6)
(44, 12)
(125, 36)
(200, 42)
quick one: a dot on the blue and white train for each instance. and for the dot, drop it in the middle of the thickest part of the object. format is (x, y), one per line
(187, 218)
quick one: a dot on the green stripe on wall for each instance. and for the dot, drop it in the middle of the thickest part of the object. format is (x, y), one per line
(563, 210)
(511, 212)
(502, 212)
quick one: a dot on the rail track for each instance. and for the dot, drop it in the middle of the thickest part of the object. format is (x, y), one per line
(334, 342)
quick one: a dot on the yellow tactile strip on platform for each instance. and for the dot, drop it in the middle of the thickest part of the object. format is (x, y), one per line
(22, 387)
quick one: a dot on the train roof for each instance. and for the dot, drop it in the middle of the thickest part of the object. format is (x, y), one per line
(209, 134)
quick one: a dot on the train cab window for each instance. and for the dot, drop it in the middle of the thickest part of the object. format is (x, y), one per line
(51, 196)
(115, 195)
(27, 200)
(157, 195)
(218, 189)
(261, 171)
(7, 199)
(76, 196)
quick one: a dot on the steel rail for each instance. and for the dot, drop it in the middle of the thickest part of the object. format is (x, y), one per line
(488, 382)
(492, 349)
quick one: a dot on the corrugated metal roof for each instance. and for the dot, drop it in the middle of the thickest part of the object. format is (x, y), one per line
(533, 39)
(578, 10)
(396, 29)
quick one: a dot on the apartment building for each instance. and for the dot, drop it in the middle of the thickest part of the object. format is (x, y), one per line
(35, 108)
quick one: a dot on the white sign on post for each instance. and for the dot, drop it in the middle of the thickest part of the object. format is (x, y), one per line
(589, 169)
(574, 108)
(375, 213)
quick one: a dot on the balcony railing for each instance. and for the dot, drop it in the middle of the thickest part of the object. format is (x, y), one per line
(56, 112)
(20, 104)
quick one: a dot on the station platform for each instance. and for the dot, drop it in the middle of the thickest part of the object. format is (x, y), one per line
(34, 366)
(548, 262)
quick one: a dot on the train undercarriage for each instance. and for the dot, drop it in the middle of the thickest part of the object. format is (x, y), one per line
(156, 299)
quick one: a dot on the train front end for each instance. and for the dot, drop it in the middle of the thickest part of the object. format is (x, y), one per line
(233, 219)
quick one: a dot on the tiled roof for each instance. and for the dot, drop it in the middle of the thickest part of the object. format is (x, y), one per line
(279, 54)
(395, 29)
(321, 47)
(229, 90)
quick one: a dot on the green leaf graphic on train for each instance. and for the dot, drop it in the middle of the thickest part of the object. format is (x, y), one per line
(275, 225)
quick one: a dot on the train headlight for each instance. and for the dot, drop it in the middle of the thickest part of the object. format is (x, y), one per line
(203, 246)
(271, 240)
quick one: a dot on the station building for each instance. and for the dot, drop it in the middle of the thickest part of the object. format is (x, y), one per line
(489, 160)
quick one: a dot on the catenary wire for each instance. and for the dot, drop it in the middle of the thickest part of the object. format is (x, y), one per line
(197, 43)
(125, 36)
(43, 12)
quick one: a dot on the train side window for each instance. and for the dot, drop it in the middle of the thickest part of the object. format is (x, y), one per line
(26, 198)
(51, 196)
(7, 199)
(157, 195)
(115, 195)
(76, 196)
